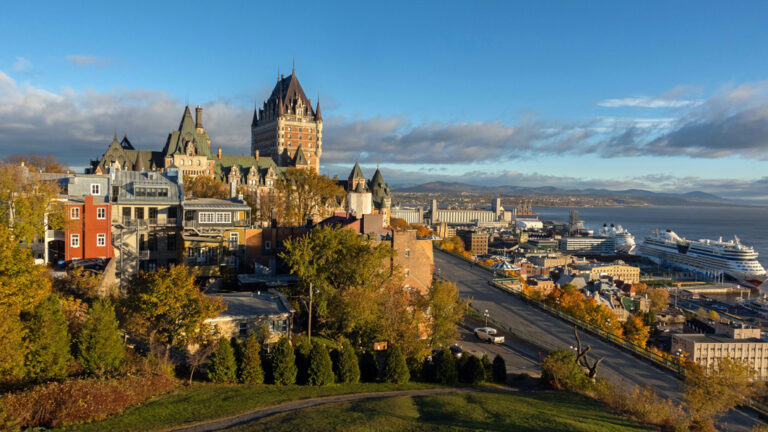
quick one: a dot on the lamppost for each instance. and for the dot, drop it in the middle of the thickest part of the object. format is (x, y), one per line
(486, 315)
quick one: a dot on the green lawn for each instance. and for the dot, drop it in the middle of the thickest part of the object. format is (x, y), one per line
(205, 401)
(546, 411)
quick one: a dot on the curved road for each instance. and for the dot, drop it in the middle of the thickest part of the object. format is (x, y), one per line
(619, 367)
(261, 413)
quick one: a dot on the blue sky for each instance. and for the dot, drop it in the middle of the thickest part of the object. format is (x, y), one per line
(581, 93)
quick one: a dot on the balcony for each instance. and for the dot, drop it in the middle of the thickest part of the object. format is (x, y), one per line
(144, 254)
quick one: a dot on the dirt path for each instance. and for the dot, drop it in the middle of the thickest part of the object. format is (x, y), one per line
(261, 413)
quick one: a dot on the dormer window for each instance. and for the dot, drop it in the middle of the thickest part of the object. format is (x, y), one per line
(95, 189)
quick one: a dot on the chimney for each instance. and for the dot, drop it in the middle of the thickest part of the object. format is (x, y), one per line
(218, 154)
(199, 119)
(232, 190)
(257, 155)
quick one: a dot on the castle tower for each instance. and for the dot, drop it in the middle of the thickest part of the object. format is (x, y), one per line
(287, 124)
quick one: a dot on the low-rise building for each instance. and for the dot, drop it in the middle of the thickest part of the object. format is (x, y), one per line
(617, 270)
(737, 342)
(247, 311)
(415, 258)
(475, 242)
(542, 284)
(215, 234)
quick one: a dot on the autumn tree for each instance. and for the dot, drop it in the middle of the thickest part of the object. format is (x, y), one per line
(304, 194)
(205, 187)
(48, 164)
(348, 273)
(166, 306)
(398, 224)
(27, 204)
(405, 319)
(635, 331)
(446, 309)
(22, 283)
(421, 230)
(712, 392)
(100, 346)
(79, 283)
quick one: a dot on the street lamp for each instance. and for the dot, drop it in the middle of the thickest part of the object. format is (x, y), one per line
(486, 315)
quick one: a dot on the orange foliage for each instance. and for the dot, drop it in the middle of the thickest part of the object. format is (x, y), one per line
(398, 224)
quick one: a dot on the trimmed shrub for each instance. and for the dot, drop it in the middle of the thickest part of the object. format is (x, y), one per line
(472, 370)
(301, 349)
(81, 400)
(428, 371)
(283, 362)
(320, 367)
(499, 369)
(237, 350)
(250, 369)
(222, 367)
(48, 341)
(99, 344)
(488, 367)
(445, 368)
(560, 370)
(347, 367)
(369, 368)
(395, 368)
(416, 367)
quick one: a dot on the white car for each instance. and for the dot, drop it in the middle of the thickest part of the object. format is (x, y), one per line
(488, 334)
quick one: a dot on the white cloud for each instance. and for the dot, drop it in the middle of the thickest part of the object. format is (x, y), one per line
(22, 65)
(648, 102)
(88, 60)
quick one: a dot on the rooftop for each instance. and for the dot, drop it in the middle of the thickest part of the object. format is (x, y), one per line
(243, 305)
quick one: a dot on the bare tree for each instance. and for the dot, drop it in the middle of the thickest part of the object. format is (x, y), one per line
(581, 356)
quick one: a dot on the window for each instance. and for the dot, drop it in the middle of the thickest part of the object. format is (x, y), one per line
(407, 272)
(153, 215)
(74, 240)
(152, 243)
(101, 240)
(223, 217)
(407, 253)
(139, 212)
(170, 242)
(234, 239)
(101, 213)
(74, 213)
(95, 189)
(243, 329)
(267, 245)
(143, 242)
(206, 217)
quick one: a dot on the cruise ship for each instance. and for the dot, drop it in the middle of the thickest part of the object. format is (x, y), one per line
(711, 257)
(624, 241)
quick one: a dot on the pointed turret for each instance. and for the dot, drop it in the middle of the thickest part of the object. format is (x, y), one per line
(187, 117)
(138, 165)
(318, 115)
(300, 159)
(356, 173)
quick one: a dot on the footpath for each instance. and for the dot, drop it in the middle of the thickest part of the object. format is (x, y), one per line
(261, 413)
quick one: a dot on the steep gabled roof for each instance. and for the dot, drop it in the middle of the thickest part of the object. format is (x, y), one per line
(356, 173)
(300, 159)
(175, 144)
(126, 143)
(224, 165)
(288, 89)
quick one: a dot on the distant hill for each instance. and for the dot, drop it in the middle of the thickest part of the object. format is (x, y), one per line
(649, 197)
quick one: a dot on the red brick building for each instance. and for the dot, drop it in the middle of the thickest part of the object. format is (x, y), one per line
(88, 232)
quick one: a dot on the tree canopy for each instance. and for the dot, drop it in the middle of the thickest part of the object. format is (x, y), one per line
(204, 187)
(302, 194)
(166, 305)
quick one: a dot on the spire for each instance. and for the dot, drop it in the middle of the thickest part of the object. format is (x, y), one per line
(293, 66)
(356, 173)
(114, 139)
(318, 115)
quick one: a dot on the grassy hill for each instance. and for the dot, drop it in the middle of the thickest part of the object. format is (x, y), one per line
(545, 411)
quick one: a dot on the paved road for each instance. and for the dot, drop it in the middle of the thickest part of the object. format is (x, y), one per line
(517, 360)
(619, 367)
(259, 414)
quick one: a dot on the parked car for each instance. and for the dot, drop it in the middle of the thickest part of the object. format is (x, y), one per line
(97, 264)
(457, 351)
(488, 334)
